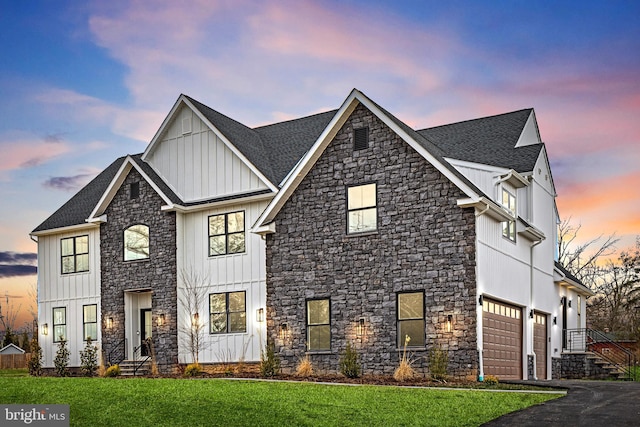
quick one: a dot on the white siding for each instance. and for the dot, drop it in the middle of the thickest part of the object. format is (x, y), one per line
(198, 165)
(71, 291)
(229, 273)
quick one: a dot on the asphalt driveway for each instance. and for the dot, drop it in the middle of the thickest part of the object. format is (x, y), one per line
(587, 403)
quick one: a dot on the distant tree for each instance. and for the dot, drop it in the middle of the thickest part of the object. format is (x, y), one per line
(26, 342)
(9, 338)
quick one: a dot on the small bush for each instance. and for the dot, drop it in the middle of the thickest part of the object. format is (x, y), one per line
(349, 366)
(491, 380)
(192, 370)
(269, 361)
(404, 371)
(304, 368)
(89, 359)
(61, 362)
(112, 371)
(438, 362)
(35, 361)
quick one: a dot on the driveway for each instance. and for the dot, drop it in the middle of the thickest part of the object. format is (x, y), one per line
(587, 403)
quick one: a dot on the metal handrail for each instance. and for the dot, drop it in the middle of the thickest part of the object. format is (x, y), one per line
(587, 340)
(138, 350)
(116, 347)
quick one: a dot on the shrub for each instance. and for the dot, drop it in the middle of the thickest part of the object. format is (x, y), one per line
(438, 361)
(491, 380)
(89, 359)
(35, 361)
(61, 362)
(192, 370)
(349, 366)
(404, 371)
(304, 368)
(269, 361)
(112, 371)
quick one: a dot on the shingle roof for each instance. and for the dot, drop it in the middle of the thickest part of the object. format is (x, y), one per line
(488, 140)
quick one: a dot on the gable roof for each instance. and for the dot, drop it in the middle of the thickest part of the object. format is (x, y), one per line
(488, 140)
(11, 349)
(565, 276)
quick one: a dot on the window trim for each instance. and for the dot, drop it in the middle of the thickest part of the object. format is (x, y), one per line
(228, 313)
(226, 233)
(74, 255)
(400, 340)
(124, 243)
(55, 338)
(85, 322)
(509, 231)
(348, 211)
(309, 326)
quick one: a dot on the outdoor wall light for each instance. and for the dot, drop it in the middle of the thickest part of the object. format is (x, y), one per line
(360, 327)
(569, 304)
(449, 321)
(284, 331)
(161, 319)
(562, 300)
(196, 318)
(555, 320)
(109, 322)
(45, 329)
(260, 315)
(480, 300)
(531, 314)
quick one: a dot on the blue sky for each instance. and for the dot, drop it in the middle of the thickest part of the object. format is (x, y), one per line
(86, 82)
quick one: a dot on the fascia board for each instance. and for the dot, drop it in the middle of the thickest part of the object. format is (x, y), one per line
(156, 138)
(560, 278)
(218, 204)
(67, 229)
(485, 206)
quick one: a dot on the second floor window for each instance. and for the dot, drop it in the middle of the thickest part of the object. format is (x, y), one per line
(509, 227)
(362, 213)
(226, 234)
(75, 254)
(136, 242)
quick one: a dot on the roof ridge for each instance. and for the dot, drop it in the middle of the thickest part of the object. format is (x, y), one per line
(476, 119)
(295, 120)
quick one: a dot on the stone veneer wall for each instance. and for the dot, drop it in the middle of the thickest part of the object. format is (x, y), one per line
(158, 273)
(424, 242)
(556, 368)
(582, 365)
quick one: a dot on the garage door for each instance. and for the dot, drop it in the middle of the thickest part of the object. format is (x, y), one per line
(502, 339)
(540, 345)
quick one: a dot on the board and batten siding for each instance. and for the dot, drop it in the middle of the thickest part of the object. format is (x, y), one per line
(198, 165)
(71, 291)
(227, 273)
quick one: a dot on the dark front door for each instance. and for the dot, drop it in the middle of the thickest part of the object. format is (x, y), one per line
(145, 329)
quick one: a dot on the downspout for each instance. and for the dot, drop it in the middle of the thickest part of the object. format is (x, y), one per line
(533, 245)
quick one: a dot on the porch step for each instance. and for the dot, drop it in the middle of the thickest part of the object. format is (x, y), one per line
(128, 367)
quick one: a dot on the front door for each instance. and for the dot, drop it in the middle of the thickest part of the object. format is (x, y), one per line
(145, 329)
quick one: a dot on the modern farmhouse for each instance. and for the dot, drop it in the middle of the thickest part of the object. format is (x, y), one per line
(342, 227)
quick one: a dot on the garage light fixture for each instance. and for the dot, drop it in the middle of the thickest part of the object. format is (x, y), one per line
(569, 304)
(555, 320)
(530, 314)
(480, 300)
(562, 300)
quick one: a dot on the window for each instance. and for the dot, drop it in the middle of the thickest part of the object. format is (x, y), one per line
(509, 227)
(136, 242)
(227, 313)
(318, 325)
(226, 234)
(75, 254)
(360, 139)
(59, 324)
(134, 190)
(361, 206)
(411, 319)
(90, 321)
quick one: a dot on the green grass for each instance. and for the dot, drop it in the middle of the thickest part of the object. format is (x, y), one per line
(173, 402)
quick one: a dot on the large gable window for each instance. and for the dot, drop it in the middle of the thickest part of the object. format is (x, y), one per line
(318, 325)
(362, 211)
(226, 234)
(136, 242)
(227, 313)
(75, 254)
(59, 324)
(411, 319)
(509, 227)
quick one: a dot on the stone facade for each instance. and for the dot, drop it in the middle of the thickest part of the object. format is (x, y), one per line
(423, 242)
(156, 275)
(556, 368)
(584, 365)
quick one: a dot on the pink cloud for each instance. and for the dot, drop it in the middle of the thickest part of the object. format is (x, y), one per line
(25, 152)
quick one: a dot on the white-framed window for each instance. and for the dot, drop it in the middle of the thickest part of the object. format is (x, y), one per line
(226, 234)
(227, 313)
(136, 242)
(74, 254)
(59, 324)
(319, 324)
(90, 321)
(362, 215)
(509, 203)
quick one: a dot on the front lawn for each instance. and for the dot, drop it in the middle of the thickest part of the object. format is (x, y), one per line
(174, 402)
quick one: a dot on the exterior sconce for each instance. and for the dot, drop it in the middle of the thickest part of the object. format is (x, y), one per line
(555, 320)
(161, 319)
(284, 331)
(530, 314)
(196, 318)
(360, 327)
(109, 322)
(260, 315)
(569, 304)
(449, 321)
(562, 300)
(45, 329)
(480, 300)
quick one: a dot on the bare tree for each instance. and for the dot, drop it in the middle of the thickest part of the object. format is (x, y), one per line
(9, 312)
(193, 294)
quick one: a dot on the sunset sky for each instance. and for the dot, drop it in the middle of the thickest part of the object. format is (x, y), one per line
(85, 82)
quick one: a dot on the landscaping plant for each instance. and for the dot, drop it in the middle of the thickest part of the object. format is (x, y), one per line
(112, 371)
(192, 370)
(35, 361)
(438, 361)
(404, 371)
(349, 365)
(61, 362)
(89, 359)
(269, 361)
(304, 368)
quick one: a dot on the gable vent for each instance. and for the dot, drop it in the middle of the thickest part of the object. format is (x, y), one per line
(360, 138)
(186, 125)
